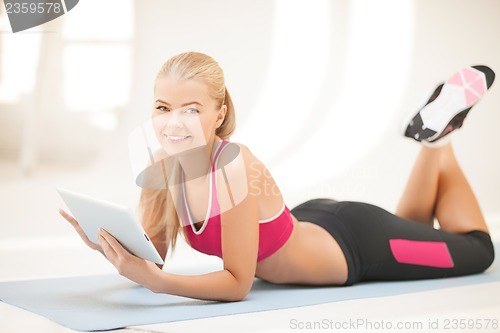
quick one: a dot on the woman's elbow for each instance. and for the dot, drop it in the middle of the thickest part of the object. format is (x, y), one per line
(236, 296)
(240, 292)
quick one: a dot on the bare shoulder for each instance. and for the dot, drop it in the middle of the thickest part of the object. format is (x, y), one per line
(242, 164)
(250, 177)
(236, 147)
(240, 156)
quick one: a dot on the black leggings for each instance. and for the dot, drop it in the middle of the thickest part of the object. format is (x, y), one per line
(381, 246)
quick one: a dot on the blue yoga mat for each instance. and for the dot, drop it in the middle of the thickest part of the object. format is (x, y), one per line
(105, 302)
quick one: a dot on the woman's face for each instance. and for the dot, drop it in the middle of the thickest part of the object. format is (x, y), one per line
(185, 116)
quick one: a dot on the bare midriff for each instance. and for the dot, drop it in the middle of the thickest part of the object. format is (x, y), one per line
(310, 256)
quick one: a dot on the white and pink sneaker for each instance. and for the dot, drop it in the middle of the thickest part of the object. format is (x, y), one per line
(449, 104)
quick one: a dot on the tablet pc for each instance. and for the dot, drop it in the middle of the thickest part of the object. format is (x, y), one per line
(120, 221)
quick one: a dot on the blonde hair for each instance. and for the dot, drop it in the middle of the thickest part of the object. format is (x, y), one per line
(159, 216)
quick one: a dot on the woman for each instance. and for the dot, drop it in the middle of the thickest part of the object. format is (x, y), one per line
(224, 201)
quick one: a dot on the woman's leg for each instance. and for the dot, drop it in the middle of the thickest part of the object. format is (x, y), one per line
(384, 246)
(457, 209)
(438, 188)
(418, 201)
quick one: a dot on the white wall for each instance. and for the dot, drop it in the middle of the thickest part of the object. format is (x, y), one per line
(320, 87)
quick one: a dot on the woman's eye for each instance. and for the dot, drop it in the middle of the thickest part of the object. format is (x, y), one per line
(192, 110)
(162, 108)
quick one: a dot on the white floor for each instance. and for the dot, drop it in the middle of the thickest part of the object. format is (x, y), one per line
(35, 242)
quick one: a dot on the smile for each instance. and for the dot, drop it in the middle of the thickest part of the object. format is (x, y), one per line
(176, 138)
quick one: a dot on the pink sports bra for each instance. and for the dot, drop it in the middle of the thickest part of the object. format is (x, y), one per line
(273, 232)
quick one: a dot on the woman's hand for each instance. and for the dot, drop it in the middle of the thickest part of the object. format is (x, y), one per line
(134, 268)
(80, 232)
(128, 265)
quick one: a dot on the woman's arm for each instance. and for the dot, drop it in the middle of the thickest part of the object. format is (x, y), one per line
(239, 244)
(239, 253)
(240, 238)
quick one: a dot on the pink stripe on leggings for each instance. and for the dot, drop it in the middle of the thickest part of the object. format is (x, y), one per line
(422, 253)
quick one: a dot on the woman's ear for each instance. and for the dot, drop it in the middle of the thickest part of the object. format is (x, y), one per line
(221, 116)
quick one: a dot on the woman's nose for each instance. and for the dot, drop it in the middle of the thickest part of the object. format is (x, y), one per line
(173, 120)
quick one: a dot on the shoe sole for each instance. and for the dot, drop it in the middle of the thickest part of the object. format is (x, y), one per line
(446, 112)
